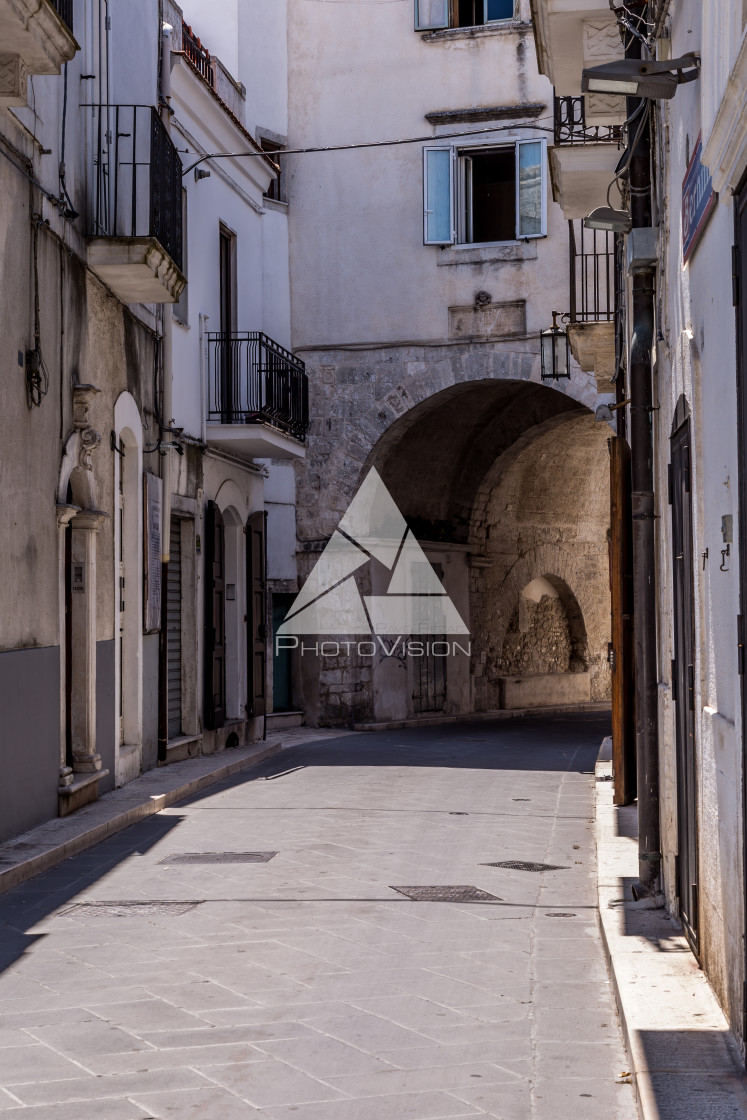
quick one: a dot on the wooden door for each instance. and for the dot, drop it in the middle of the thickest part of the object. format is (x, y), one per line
(683, 681)
(215, 623)
(621, 655)
(256, 625)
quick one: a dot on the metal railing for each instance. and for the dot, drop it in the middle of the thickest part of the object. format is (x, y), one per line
(197, 55)
(136, 188)
(253, 380)
(64, 9)
(592, 273)
(571, 128)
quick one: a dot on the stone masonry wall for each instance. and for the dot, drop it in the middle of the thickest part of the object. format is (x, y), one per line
(542, 645)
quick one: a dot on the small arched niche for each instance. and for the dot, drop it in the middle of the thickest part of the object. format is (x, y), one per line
(544, 659)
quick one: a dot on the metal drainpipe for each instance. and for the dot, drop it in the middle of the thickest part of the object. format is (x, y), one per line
(166, 422)
(643, 503)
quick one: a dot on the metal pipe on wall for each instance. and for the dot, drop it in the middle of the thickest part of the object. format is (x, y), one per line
(643, 512)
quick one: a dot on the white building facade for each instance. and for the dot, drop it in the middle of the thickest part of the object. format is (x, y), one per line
(426, 257)
(149, 323)
(699, 161)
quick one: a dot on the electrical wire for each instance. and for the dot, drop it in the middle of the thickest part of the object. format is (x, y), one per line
(373, 143)
(37, 375)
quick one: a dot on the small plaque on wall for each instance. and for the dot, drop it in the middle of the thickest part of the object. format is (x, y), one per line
(152, 505)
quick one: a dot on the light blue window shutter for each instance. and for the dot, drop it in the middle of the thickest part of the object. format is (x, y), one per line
(531, 189)
(498, 9)
(438, 196)
(431, 14)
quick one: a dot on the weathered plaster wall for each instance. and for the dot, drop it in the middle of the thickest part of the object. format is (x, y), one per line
(696, 360)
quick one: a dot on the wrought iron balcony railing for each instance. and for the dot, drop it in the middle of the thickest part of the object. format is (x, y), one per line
(253, 380)
(64, 9)
(571, 126)
(197, 55)
(592, 274)
(137, 177)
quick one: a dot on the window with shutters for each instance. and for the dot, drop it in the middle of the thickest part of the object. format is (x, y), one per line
(484, 195)
(437, 15)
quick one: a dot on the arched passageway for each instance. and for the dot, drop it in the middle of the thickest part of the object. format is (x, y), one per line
(505, 486)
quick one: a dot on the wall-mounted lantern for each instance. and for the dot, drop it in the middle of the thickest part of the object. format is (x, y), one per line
(555, 351)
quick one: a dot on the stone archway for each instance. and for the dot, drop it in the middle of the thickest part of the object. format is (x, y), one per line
(444, 459)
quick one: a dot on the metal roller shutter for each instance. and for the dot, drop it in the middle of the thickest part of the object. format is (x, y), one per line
(174, 628)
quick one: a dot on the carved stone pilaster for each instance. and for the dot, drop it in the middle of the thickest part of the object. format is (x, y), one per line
(13, 79)
(82, 397)
(89, 441)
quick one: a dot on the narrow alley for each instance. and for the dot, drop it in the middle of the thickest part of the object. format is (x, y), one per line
(158, 976)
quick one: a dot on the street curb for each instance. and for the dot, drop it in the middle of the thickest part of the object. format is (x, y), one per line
(437, 719)
(654, 999)
(55, 853)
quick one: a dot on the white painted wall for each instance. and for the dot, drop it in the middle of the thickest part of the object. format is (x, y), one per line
(697, 357)
(360, 73)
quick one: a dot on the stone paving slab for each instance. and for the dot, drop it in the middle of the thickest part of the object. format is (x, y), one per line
(308, 986)
(685, 1061)
(56, 840)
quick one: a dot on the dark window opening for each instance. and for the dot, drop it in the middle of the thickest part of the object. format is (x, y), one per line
(276, 189)
(472, 13)
(490, 196)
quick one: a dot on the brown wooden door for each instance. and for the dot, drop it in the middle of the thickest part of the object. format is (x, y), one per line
(256, 615)
(215, 625)
(621, 649)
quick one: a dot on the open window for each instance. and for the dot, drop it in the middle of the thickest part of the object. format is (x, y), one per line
(437, 15)
(481, 195)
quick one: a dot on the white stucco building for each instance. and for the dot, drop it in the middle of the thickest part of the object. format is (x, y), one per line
(700, 239)
(148, 398)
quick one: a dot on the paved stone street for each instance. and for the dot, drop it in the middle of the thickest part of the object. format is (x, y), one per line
(307, 986)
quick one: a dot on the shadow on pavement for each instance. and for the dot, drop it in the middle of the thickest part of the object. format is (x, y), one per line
(563, 743)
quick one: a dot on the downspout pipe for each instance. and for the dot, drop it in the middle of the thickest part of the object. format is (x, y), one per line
(643, 508)
(166, 444)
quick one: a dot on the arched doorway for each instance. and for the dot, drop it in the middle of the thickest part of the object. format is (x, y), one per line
(502, 482)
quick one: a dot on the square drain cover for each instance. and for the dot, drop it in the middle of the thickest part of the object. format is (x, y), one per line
(130, 908)
(446, 894)
(520, 865)
(219, 857)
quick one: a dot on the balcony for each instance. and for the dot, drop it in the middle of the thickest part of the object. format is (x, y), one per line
(593, 259)
(197, 56)
(584, 158)
(36, 37)
(258, 399)
(574, 34)
(135, 204)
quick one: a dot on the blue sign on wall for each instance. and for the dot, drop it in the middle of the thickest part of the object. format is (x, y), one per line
(698, 200)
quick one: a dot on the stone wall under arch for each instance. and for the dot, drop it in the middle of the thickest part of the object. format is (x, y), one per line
(544, 513)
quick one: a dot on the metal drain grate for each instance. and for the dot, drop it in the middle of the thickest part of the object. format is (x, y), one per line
(446, 894)
(559, 914)
(128, 908)
(219, 857)
(520, 865)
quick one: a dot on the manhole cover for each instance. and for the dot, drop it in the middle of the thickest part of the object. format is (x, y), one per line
(520, 865)
(219, 857)
(125, 909)
(559, 914)
(446, 894)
